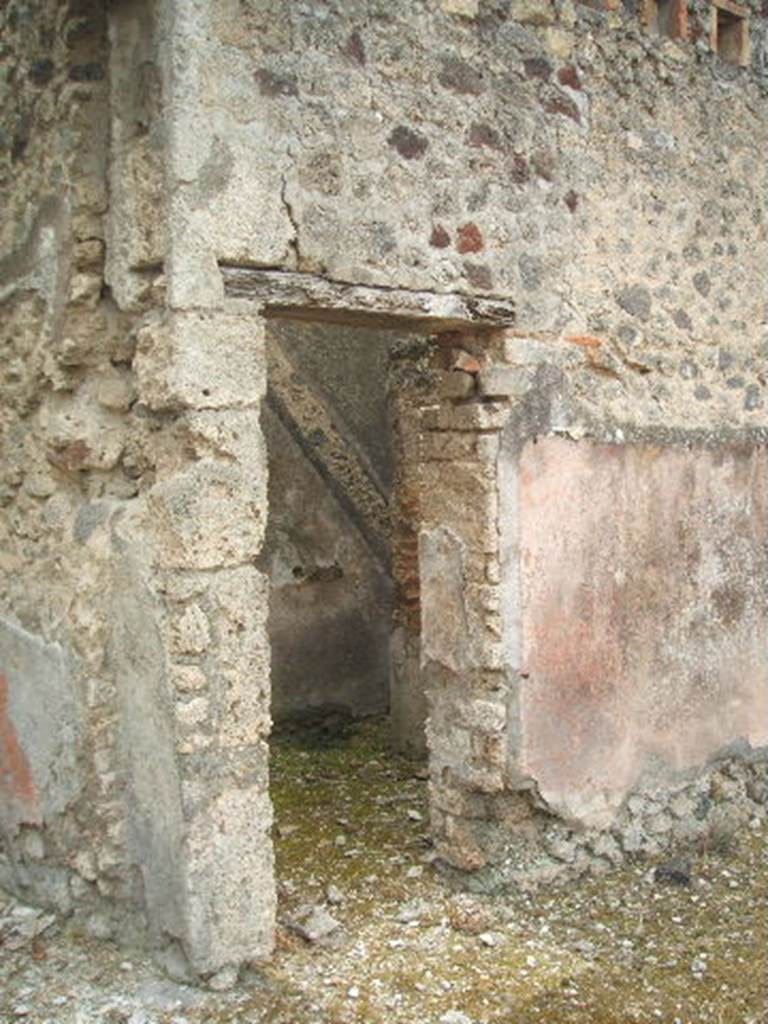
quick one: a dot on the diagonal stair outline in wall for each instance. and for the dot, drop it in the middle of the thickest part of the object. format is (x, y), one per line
(332, 452)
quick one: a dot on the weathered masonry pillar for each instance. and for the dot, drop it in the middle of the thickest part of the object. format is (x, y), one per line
(471, 673)
(205, 519)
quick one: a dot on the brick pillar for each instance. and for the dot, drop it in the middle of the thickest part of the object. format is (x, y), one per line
(464, 649)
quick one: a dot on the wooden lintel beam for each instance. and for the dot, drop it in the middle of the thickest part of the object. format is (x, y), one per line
(296, 296)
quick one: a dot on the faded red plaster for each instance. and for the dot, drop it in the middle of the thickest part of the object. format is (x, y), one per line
(644, 618)
(17, 786)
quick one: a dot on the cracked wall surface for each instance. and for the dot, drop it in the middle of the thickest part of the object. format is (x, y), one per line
(594, 614)
(134, 654)
(71, 456)
(172, 173)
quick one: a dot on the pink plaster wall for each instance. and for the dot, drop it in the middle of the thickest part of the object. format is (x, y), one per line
(643, 623)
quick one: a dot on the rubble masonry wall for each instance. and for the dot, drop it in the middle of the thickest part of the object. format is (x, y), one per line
(609, 182)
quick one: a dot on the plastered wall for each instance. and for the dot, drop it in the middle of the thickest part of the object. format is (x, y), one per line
(594, 615)
(607, 182)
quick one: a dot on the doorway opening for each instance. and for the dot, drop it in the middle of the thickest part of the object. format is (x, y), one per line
(398, 478)
(348, 775)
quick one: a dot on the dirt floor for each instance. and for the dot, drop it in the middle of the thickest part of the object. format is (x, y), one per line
(371, 932)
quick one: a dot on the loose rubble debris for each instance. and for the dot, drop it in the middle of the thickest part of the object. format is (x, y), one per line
(315, 924)
(637, 945)
(22, 924)
(677, 870)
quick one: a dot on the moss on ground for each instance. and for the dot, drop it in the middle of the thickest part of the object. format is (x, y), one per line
(409, 950)
(619, 949)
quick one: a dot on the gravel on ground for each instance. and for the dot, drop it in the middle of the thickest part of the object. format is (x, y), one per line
(370, 931)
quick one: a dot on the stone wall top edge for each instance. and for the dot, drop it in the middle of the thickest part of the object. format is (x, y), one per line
(743, 440)
(608, 23)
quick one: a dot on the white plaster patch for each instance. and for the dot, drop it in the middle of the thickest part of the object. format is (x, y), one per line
(445, 633)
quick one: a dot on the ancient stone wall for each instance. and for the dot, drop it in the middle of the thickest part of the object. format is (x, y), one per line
(117, 782)
(608, 179)
(594, 612)
(68, 462)
(440, 162)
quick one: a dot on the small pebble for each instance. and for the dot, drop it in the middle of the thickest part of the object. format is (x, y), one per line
(676, 871)
(410, 912)
(334, 895)
(223, 980)
(455, 1017)
(316, 925)
(586, 947)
